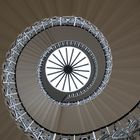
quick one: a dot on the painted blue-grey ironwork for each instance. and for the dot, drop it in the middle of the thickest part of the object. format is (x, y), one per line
(112, 131)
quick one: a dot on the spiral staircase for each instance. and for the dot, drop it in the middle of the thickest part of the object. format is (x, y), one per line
(70, 70)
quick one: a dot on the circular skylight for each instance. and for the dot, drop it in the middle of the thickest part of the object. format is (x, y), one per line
(68, 69)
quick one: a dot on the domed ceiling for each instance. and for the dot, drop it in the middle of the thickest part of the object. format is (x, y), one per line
(70, 104)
